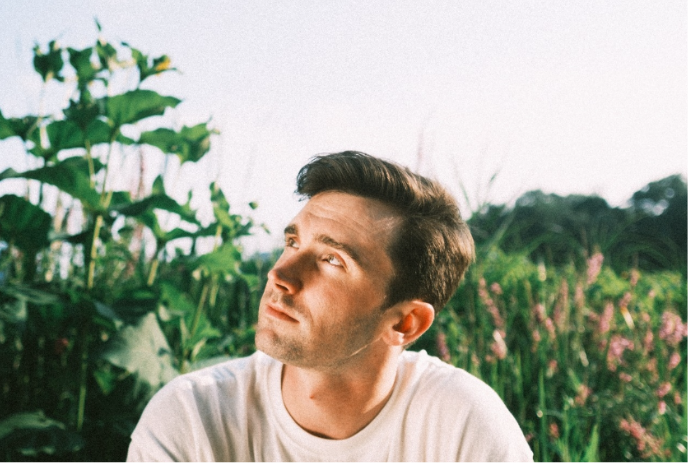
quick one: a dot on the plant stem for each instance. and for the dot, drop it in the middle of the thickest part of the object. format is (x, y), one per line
(93, 253)
(153, 271)
(83, 377)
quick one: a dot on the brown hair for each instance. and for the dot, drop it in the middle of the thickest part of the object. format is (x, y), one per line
(433, 246)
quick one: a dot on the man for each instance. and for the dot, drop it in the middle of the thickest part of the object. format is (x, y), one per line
(371, 257)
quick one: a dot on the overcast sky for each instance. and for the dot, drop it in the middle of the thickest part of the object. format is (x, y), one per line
(564, 96)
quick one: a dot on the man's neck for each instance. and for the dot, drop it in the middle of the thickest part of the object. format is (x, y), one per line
(337, 405)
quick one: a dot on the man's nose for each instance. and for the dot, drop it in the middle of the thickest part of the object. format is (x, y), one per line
(287, 273)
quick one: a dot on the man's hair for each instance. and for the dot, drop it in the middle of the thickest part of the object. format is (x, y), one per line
(432, 246)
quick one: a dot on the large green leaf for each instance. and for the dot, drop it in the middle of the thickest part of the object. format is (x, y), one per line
(142, 350)
(224, 260)
(22, 127)
(32, 433)
(24, 224)
(62, 135)
(190, 143)
(136, 105)
(158, 201)
(71, 176)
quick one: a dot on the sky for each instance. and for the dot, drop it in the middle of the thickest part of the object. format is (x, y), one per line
(493, 99)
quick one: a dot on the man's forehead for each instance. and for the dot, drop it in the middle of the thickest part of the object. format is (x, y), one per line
(364, 224)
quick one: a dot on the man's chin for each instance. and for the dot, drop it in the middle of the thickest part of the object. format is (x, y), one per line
(272, 345)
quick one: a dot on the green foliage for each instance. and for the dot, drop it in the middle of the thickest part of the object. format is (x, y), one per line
(91, 324)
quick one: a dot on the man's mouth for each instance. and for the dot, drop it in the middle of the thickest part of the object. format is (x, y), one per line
(279, 313)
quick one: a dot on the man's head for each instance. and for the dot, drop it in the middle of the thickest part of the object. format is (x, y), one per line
(366, 262)
(432, 246)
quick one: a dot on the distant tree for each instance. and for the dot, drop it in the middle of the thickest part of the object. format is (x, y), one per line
(660, 209)
(650, 234)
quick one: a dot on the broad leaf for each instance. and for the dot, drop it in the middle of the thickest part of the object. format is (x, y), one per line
(142, 350)
(224, 260)
(23, 223)
(190, 143)
(22, 127)
(62, 135)
(136, 105)
(159, 201)
(71, 176)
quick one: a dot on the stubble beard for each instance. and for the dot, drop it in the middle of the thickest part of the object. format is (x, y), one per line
(329, 351)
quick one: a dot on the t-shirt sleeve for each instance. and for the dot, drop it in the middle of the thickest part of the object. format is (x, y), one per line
(491, 433)
(168, 429)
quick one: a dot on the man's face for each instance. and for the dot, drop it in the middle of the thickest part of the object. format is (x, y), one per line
(322, 305)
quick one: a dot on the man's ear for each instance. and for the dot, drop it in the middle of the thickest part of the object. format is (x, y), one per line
(412, 319)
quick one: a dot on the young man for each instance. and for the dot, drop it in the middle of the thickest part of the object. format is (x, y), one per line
(371, 257)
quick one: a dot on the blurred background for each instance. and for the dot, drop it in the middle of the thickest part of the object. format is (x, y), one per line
(148, 155)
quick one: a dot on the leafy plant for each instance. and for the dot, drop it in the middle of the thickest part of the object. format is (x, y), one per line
(92, 322)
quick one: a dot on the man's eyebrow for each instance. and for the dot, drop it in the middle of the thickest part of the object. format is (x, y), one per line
(292, 229)
(341, 246)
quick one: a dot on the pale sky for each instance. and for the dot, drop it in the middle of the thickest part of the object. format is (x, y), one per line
(564, 96)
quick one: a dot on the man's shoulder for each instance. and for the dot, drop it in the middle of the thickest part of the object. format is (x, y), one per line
(223, 371)
(442, 396)
(449, 388)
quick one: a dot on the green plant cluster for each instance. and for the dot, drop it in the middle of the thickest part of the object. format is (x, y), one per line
(99, 307)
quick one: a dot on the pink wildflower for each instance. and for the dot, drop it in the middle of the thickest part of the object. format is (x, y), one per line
(560, 308)
(662, 407)
(579, 297)
(552, 367)
(496, 289)
(606, 319)
(635, 276)
(536, 335)
(549, 326)
(594, 267)
(539, 312)
(677, 398)
(648, 341)
(673, 330)
(617, 346)
(490, 305)
(663, 390)
(554, 430)
(583, 393)
(498, 347)
(674, 360)
(646, 443)
(625, 377)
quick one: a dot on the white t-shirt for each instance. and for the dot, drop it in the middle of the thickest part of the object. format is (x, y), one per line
(234, 412)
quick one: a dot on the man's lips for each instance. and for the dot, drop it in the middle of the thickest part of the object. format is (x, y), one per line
(279, 313)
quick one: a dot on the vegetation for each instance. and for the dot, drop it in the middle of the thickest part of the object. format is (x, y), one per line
(571, 313)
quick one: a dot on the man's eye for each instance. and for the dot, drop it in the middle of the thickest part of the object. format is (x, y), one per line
(291, 243)
(332, 260)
